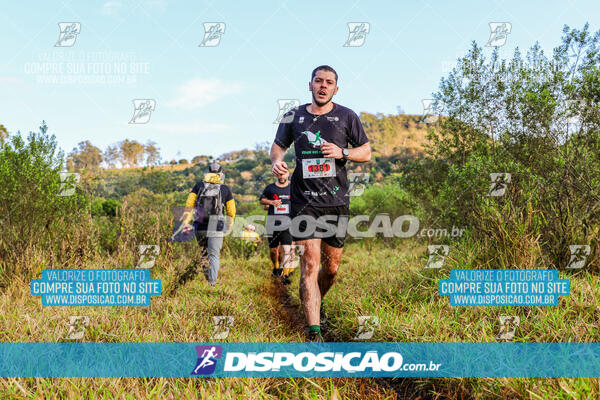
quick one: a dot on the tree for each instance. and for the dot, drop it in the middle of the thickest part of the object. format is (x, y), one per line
(32, 213)
(200, 159)
(111, 156)
(132, 152)
(152, 153)
(85, 156)
(535, 117)
(3, 133)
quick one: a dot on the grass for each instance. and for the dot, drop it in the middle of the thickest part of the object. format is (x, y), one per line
(382, 279)
(244, 292)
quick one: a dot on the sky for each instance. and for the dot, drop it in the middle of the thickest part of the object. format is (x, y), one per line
(208, 97)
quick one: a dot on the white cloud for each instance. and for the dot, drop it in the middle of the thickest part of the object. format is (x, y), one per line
(111, 8)
(197, 93)
(158, 5)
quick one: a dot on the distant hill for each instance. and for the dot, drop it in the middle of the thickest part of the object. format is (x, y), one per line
(395, 139)
(395, 134)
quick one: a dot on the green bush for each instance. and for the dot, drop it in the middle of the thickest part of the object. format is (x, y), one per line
(533, 117)
(32, 214)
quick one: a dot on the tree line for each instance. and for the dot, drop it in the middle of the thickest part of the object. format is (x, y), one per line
(125, 154)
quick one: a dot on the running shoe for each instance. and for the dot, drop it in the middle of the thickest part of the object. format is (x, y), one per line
(314, 336)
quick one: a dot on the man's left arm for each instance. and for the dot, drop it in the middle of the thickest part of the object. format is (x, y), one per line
(360, 154)
(361, 150)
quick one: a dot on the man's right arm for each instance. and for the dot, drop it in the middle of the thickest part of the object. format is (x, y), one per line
(277, 154)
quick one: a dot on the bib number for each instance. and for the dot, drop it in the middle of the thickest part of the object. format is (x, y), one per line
(318, 168)
(282, 209)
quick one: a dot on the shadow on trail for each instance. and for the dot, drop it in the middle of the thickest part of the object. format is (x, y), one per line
(290, 311)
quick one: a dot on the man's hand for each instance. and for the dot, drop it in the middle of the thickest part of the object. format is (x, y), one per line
(279, 168)
(330, 150)
(276, 203)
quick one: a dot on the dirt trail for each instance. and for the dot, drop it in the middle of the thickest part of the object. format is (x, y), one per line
(284, 306)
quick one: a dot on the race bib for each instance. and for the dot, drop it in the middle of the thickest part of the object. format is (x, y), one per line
(318, 168)
(282, 209)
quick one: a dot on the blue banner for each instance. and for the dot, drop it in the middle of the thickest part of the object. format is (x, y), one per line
(504, 287)
(299, 359)
(95, 287)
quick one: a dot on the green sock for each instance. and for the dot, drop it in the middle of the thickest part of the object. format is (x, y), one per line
(315, 328)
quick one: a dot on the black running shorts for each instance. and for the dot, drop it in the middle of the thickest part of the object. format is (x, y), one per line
(326, 223)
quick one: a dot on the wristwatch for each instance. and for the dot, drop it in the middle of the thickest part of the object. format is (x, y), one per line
(345, 154)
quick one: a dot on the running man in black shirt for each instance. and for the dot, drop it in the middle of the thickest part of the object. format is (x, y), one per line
(277, 197)
(325, 136)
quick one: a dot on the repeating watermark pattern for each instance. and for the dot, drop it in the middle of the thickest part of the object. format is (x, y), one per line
(148, 254)
(498, 33)
(573, 109)
(500, 181)
(212, 34)
(68, 181)
(285, 106)
(366, 327)
(579, 255)
(68, 33)
(357, 183)
(305, 226)
(357, 33)
(432, 109)
(222, 323)
(297, 252)
(142, 109)
(437, 255)
(67, 66)
(77, 325)
(508, 326)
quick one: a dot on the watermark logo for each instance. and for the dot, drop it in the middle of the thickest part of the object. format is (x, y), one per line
(207, 359)
(498, 33)
(500, 181)
(296, 253)
(357, 183)
(222, 325)
(285, 106)
(68, 33)
(357, 33)
(142, 109)
(77, 325)
(212, 34)
(148, 254)
(366, 327)
(68, 180)
(579, 254)
(573, 110)
(432, 109)
(183, 229)
(508, 326)
(437, 255)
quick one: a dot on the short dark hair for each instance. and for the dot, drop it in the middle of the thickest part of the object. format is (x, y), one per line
(323, 68)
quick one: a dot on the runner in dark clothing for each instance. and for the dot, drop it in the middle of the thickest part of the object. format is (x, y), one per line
(325, 136)
(277, 197)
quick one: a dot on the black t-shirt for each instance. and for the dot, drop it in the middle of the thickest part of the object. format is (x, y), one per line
(316, 180)
(225, 197)
(274, 192)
